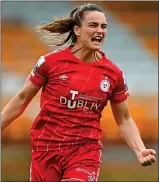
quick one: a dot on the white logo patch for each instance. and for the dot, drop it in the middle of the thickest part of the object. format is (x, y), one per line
(105, 85)
(91, 175)
(125, 82)
(39, 63)
(63, 77)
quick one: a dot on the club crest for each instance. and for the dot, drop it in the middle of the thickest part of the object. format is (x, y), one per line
(105, 85)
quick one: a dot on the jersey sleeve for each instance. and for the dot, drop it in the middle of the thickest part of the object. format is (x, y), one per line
(38, 74)
(120, 92)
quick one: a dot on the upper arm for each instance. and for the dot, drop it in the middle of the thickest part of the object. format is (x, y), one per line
(120, 92)
(118, 100)
(28, 91)
(35, 81)
(120, 111)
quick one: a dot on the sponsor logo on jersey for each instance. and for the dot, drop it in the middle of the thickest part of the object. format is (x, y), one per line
(105, 85)
(63, 77)
(72, 103)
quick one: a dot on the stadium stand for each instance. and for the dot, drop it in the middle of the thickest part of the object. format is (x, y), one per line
(141, 17)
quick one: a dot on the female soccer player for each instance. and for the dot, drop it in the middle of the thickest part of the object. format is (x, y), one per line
(77, 82)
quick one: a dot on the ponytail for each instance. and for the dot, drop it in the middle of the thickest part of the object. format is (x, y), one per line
(54, 31)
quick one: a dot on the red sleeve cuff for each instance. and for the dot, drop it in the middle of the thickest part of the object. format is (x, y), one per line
(36, 80)
(121, 97)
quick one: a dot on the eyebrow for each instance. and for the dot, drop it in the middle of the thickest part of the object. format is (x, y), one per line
(97, 23)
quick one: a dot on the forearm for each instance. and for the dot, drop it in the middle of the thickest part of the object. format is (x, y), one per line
(12, 110)
(130, 134)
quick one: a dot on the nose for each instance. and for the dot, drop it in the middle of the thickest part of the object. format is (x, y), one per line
(99, 29)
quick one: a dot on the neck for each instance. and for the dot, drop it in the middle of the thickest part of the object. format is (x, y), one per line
(85, 54)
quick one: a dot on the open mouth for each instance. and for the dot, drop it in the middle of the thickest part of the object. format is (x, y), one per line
(96, 39)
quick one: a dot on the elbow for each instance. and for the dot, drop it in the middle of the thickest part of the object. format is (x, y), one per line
(125, 120)
(22, 99)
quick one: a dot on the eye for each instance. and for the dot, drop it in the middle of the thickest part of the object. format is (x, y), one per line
(93, 26)
(104, 26)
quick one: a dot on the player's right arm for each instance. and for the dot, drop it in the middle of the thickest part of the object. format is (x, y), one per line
(18, 103)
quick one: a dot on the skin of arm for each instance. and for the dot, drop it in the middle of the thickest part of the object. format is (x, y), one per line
(18, 103)
(130, 133)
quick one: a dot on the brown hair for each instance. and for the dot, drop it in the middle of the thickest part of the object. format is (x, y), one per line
(63, 25)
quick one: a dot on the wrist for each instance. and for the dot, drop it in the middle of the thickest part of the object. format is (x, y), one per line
(138, 151)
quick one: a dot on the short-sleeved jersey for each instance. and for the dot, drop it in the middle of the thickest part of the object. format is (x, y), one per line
(74, 94)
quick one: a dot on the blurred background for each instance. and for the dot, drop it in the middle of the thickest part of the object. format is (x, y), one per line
(132, 44)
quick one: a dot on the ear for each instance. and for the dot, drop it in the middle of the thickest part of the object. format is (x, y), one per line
(77, 30)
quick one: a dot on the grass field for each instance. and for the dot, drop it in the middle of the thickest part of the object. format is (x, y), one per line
(118, 164)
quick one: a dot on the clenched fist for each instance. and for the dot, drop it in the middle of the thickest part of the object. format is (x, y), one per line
(147, 157)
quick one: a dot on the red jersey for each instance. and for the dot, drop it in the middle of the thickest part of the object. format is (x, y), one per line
(74, 94)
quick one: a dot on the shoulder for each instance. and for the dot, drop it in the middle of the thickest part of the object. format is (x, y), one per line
(109, 63)
(52, 58)
(118, 72)
(56, 54)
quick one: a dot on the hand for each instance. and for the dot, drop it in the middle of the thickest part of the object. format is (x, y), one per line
(146, 157)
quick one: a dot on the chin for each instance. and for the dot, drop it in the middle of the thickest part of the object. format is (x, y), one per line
(95, 48)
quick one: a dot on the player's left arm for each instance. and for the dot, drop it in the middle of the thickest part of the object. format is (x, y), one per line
(130, 133)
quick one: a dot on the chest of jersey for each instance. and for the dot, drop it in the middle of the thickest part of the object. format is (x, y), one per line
(90, 86)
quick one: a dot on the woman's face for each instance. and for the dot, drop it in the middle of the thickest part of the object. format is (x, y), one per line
(93, 30)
